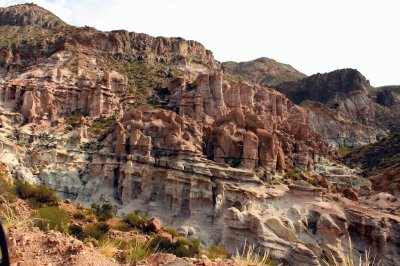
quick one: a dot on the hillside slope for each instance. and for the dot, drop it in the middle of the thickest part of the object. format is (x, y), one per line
(264, 71)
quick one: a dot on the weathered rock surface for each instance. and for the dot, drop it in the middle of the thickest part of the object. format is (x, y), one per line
(29, 14)
(264, 71)
(205, 163)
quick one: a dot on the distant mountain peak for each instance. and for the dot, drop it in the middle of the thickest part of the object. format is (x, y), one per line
(264, 70)
(29, 14)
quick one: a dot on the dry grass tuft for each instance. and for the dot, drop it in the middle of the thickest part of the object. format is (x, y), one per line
(15, 214)
(109, 248)
(249, 257)
(348, 259)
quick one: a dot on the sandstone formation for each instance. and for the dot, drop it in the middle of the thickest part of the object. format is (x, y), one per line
(153, 125)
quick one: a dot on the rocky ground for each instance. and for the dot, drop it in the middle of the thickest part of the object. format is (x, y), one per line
(33, 247)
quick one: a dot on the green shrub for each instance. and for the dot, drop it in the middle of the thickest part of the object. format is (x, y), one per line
(79, 215)
(135, 220)
(51, 218)
(96, 230)
(293, 174)
(181, 248)
(123, 227)
(171, 231)
(40, 194)
(103, 212)
(217, 252)
(76, 231)
(344, 151)
(137, 251)
(73, 119)
(99, 125)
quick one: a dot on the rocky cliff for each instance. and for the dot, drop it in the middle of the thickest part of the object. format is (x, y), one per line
(154, 125)
(340, 106)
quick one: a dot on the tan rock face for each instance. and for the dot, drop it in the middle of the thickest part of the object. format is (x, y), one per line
(51, 100)
(246, 124)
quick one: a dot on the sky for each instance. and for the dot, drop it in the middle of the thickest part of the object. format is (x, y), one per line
(314, 36)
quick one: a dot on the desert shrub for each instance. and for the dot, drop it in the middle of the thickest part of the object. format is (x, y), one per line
(40, 194)
(100, 125)
(137, 251)
(344, 151)
(135, 220)
(79, 215)
(108, 247)
(181, 248)
(7, 191)
(250, 256)
(76, 231)
(171, 231)
(103, 212)
(52, 218)
(294, 174)
(123, 227)
(73, 119)
(217, 252)
(14, 214)
(96, 230)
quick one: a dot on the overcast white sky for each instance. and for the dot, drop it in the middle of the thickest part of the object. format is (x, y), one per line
(311, 35)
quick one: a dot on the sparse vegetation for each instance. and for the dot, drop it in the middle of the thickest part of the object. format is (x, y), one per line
(52, 218)
(136, 251)
(134, 220)
(12, 214)
(76, 231)
(101, 124)
(36, 195)
(172, 231)
(343, 151)
(7, 190)
(250, 257)
(349, 259)
(73, 119)
(217, 252)
(294, 174)
(109, 248)
(181, 247)
(103, 212)
(96, 230)
(376, 157)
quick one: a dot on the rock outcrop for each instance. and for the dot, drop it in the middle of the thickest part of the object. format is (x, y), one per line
(28, 15)
(340, 106)
(264, 71)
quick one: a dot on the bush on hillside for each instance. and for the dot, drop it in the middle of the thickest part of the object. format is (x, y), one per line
(96, 230)
(52, 218)
(103, 212)
(135, 220)
(40, 194)
(181, 248)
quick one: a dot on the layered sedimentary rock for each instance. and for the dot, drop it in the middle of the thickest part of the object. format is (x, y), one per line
(247, 125)
(346, 115)
(41, 99)
(211, 162)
